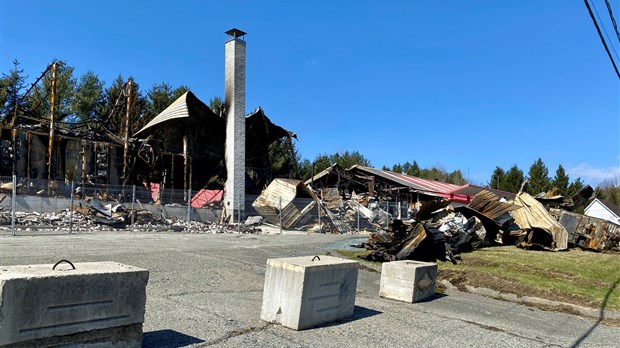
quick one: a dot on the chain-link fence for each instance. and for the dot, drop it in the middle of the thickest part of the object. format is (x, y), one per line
(40, 206)
(34, 205)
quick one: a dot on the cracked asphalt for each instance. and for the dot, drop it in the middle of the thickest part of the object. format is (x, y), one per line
(206, 290)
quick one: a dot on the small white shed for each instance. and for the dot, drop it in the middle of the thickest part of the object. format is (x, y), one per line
(603, 209)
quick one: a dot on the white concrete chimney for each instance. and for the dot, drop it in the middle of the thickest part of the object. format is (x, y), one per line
(234, 101)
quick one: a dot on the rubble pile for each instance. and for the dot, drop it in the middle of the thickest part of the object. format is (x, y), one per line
(487, 221)
(98, 217)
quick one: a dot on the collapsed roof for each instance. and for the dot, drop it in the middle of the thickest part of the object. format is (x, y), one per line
(206, 133)
(396, 181)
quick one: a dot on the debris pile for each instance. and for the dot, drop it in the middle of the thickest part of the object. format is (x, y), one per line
(98, 217)
(444, 233)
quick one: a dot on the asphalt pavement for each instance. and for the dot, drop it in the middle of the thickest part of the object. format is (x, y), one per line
(206, 290)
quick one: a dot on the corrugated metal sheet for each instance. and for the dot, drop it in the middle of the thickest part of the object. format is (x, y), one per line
(534, 215)
(488, 203)
(472, 190)
(178, 109)
(430, 187)
(282, 194)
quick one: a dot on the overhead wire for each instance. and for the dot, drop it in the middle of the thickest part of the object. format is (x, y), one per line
(613, 20)
(600, 34)
(613, 48)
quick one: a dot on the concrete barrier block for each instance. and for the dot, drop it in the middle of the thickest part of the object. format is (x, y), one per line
(300, 293)
(408, 281)
(37, 303)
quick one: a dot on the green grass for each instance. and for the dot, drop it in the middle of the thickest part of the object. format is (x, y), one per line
(353, 254)
(575, 276)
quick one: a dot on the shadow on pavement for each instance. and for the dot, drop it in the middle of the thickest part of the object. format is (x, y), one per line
(433, 297)
(601, 315)
(168, 339)
(358, 313)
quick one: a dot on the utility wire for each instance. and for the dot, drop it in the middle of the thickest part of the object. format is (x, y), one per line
(613, 20)
(601, 37)
(613, 48)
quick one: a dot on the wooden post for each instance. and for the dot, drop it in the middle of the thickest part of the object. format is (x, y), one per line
(185, 162)
(126, 142)
(50, 149)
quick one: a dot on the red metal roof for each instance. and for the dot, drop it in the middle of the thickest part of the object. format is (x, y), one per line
(203, 197)
(431, 187)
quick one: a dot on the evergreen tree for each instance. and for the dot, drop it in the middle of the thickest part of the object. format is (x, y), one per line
(40, 98)
(304, 169)
(496, 178)
(158, 97)
(215, 104)
(456, 178)
(88, 101)
(348, 159)
(538, 178)
(280, 159)
(414, 170)
(115, 107)
(512, 180)
(397, 168)
(179, 91)
(406, 167)
(560, 180)
(11, 87)
(574, 187)
(320, 163)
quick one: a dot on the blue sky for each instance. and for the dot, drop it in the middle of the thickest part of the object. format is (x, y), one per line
(466, 85)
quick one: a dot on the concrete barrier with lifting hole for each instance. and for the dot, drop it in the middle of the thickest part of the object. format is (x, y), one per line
(92, 304)
(303, 292)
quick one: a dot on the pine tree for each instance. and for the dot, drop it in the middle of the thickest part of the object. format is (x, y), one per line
(538, 178)
(496, 178)
(512, 180)
(88, 101)
(414, 170)
(560, 180)
(574, 187)
(397, 168)
(456, 178)
(11, 87)
(40, 98)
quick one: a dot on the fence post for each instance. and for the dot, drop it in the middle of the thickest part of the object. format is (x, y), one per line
(318, 201)
(189, 207)
(280, 209)
(13, 204)
(133, 202)
(71, 207)
(238, 214)
(358, 217)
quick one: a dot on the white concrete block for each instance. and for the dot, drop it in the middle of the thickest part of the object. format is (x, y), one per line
(37, 302)
(408, 281)
(300, 293)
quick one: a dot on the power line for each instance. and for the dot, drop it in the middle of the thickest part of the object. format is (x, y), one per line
(600, 35)
(613, 48)
(613, 20)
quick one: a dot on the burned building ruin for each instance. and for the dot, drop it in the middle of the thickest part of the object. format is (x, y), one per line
(183, 147)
